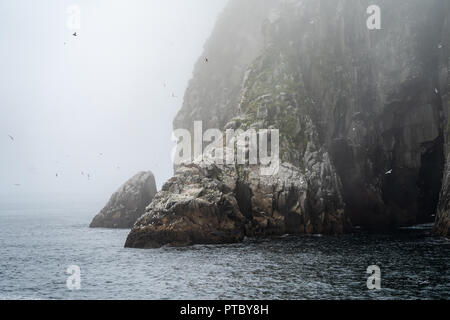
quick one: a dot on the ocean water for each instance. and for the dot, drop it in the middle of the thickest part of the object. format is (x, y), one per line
(37, 244)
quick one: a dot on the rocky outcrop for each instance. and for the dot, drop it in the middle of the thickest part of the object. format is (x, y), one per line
(362, 116)
(209, 204)
(128, 203)
(192, 207)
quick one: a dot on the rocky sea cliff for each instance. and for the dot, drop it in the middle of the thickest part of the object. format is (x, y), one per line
(362, 116)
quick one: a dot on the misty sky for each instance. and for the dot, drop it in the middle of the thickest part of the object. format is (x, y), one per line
(95, 103)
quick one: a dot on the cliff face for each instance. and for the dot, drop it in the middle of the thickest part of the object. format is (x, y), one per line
(128, 203)
(442, 226)
(362, 117)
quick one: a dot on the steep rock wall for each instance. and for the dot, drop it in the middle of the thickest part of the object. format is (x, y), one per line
(361, 113)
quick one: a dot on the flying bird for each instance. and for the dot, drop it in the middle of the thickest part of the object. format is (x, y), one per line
(389, 172)
(74, 34)
(11, 137)
(206, 60)
(57, 175)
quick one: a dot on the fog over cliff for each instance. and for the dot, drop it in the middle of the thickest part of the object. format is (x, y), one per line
(362, 115)
(99, 103)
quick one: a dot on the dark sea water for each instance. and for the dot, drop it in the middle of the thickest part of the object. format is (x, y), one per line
(37, 245)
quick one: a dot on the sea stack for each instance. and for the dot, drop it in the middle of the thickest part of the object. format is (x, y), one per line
(128, 203)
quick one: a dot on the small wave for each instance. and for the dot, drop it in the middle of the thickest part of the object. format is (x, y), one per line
(424, 226)
(15, 297)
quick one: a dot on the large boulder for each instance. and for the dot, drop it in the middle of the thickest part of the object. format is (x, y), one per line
(128, 203)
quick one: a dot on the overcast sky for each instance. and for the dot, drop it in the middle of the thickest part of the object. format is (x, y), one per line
(99, 103)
